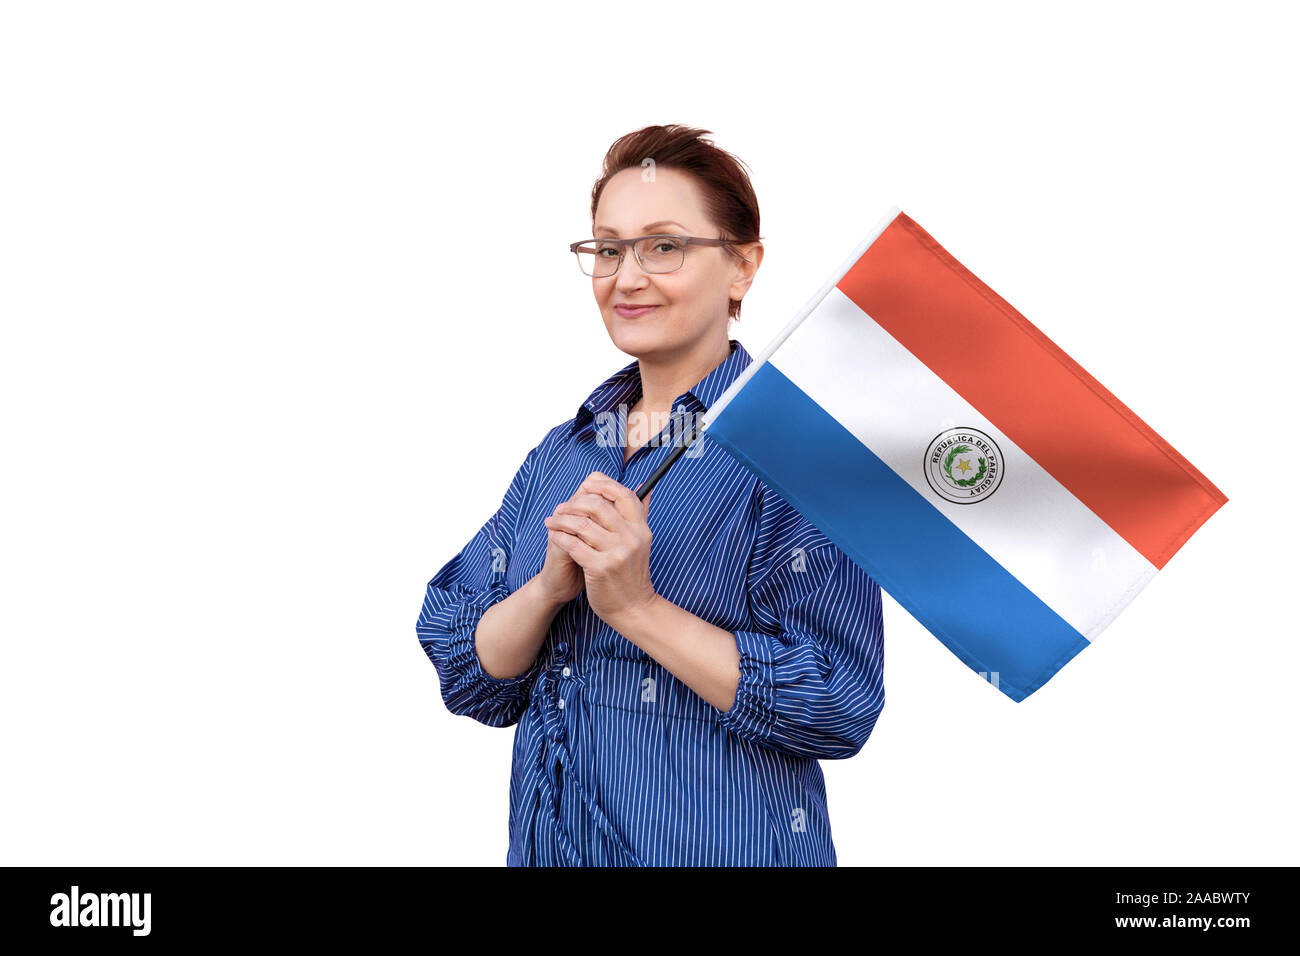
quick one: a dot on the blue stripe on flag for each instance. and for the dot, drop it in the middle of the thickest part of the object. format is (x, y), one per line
(982, 612)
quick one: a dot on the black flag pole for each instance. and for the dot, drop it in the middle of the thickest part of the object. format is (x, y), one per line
(682, 445)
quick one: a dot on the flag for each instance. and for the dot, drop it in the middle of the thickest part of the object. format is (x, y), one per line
(981, 476)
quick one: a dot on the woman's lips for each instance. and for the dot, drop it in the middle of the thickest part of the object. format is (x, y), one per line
(631, 313)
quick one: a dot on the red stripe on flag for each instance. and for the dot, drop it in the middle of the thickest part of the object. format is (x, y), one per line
(1038, 396)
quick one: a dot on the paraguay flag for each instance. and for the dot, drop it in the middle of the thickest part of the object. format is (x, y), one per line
(993, 487)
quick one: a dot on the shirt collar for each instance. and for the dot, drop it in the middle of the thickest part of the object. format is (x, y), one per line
(624, 387)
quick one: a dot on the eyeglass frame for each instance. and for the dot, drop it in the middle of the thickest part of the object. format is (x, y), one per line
(622, 250)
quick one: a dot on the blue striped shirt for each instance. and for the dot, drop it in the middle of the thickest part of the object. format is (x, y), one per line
(616, 762)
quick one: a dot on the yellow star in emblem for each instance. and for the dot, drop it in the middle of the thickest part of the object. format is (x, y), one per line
(965, 465)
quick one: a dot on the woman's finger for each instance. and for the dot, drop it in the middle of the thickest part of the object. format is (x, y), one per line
(582, 553)
(583, 527)
(598, 508)
(623, 498)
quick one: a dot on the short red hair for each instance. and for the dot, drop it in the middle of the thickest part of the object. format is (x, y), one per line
(729, 198)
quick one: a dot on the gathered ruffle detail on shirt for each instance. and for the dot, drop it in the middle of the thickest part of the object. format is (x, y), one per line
(461, 651)
(752, 714)
(447, 634)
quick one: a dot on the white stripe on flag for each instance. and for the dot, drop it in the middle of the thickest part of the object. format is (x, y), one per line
(895, 405)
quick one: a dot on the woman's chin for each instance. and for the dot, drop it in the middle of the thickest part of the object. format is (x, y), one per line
(633, 339)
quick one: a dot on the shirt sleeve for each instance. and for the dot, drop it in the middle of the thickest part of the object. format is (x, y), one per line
(811, 678)
(454, 603)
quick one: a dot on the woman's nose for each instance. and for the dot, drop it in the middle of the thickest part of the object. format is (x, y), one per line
(630, 273)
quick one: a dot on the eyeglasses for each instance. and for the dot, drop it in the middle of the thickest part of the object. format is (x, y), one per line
(657, 254)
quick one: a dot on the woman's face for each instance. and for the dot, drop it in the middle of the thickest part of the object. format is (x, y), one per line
(690, 305)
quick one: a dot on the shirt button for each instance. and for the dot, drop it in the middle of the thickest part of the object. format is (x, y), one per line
(566, 672)
(561, 703)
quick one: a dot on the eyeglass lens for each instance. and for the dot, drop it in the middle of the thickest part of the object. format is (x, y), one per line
(656, 254)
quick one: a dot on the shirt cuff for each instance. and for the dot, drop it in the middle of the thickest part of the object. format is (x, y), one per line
(752, 714)
(461, 652)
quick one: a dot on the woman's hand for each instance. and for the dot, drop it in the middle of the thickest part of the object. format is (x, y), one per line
(561, 577)
(603, 529)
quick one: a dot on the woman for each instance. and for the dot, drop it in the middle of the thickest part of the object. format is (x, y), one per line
(671, 699)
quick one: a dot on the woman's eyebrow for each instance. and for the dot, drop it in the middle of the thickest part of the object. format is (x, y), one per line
(648, 227)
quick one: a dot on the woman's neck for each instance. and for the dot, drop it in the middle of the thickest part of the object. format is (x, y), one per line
(663, 380)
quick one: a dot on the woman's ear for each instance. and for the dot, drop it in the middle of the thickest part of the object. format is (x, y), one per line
(745, 269)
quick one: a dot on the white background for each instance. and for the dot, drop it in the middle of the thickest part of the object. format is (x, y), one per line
(286, 298)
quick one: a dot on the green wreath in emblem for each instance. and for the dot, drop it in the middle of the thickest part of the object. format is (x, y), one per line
(963, 482)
